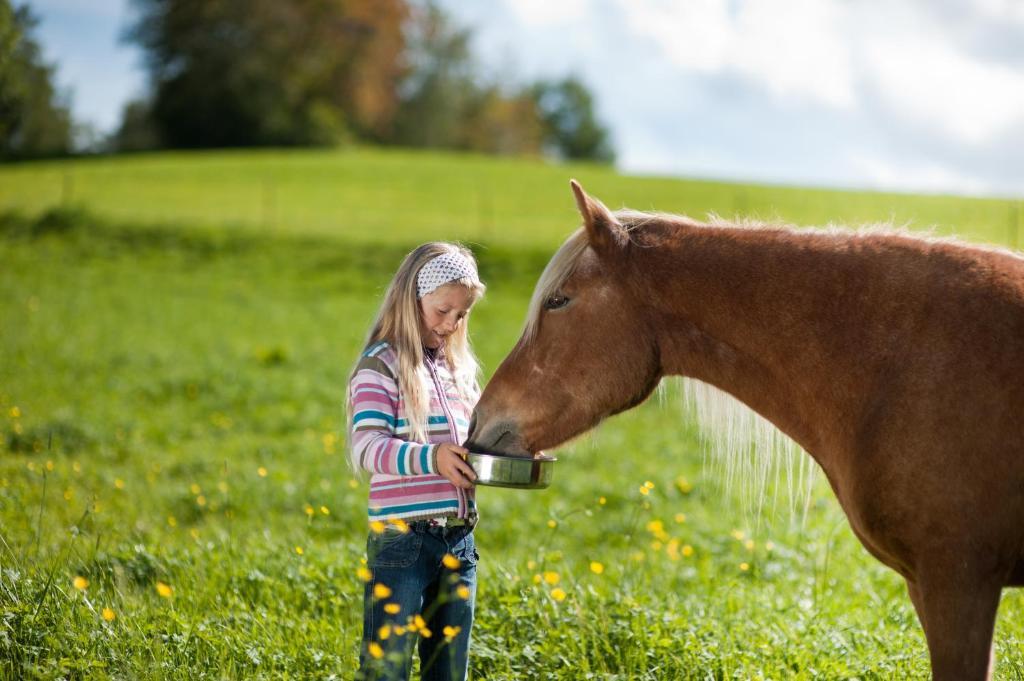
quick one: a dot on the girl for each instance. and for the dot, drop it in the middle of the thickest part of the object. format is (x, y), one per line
(410, 398)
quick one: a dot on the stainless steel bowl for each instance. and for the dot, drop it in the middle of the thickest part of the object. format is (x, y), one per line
(497, 470)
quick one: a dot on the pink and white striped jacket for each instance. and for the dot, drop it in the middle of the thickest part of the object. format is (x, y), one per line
(404, 482)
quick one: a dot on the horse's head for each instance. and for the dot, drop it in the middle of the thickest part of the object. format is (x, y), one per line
(586, 351)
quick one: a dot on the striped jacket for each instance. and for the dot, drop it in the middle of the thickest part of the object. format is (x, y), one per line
(404, 482)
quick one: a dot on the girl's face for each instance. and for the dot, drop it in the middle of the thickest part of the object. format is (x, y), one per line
(442, 312)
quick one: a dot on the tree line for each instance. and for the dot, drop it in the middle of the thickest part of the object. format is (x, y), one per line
(243, 73)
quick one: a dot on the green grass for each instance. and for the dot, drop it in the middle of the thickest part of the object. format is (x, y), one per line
(165, 344)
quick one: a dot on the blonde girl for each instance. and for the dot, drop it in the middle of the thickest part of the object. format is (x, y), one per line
(410, 398)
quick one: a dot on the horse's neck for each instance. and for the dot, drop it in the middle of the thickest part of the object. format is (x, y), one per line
(772, 318)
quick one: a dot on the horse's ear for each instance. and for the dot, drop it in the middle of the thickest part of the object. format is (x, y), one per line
(603, 230)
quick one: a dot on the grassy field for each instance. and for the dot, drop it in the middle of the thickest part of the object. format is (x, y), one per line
(176, 333)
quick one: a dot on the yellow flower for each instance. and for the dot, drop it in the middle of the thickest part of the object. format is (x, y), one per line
(750, 544)
(392, 608)
(201, 500)
(363, 573)
(602, 501)
(596, 568)
(400, 525)
(325, 510)
(769, 546)
(164, 590)
(309, 510)
(687, 550)
(737, 535)
(744, 566)
(384, 632)
(451, 562)
(463, 592)
(426, 633)
(377, 527)
(680, 517)
(119, 483)
(552, 524)
(353, 483)
(381, 591)
(375, 650)
(15, 412)
(648, 484)
(222, 486)
(551, 577)
(558, 595)
(261, 471)
(194, 488)
(80, 583)
(108, 614)
(172, 521)
(399, 631)
(451, 632)
(298, 550)
(644, 491)
(683, 485)
(531, 565)
(417, 622)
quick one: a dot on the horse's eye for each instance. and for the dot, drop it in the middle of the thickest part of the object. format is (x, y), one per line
(556, 301)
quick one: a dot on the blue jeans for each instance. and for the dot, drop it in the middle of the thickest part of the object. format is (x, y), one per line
(411, 566)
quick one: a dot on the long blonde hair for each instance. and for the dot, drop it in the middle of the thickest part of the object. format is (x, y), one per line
(398, 323)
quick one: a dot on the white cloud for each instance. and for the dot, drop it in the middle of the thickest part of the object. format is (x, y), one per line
(537, 13)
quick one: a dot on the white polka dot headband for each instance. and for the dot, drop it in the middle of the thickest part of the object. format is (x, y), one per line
(446, 267)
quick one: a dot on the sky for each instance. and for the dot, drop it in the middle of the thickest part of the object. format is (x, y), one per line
(915, 95)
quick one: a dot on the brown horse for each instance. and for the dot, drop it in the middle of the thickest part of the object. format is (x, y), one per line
(897, 362)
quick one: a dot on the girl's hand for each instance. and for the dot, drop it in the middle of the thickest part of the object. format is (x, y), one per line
(452, 465)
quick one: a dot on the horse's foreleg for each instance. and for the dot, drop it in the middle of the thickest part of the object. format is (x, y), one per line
(958, 618)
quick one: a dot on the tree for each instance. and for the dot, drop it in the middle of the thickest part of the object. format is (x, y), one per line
(258, 72)
(571, 129)
(34, 119)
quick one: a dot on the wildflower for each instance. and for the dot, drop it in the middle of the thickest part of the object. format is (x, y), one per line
(15, 412)
(309, 510)
(118, 482)
(49, 467)
(201, 500)
(375, 650)
(353, 483)
(451, 562)
(558, 595)
(744, 566)
(552, 523)
(381, 591)
(399, 631)
(80, 583)
(194, 488)
(223, 487)
(418, 622)
(261, 471)
(644, 490)
(596, 568)
(602, 501)
(680, 517)
(108, 614)
(463, 592)
(537, 579)
(164, 590)
(325, 510)
(392, 608)
(451, 632)
(769, 546)
(737, 535)
(363, 573)
(687, 550)
(384, 632)
(648, 484)
(531, 565)
(298, 550)
(426, 633)
(172, 521)
(377, 527)
(683, 485)
(750, 545)
(400, 525)
(551, 577)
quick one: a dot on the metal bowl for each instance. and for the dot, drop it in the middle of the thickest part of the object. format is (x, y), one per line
(498, 470)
